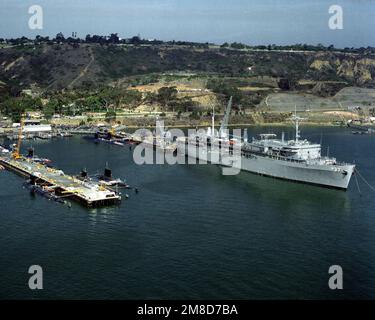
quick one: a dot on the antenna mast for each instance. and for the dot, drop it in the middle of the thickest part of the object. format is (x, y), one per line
(297, 128)
(296, 119)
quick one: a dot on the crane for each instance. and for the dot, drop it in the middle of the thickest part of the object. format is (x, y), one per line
(225, 121)
(16, 151)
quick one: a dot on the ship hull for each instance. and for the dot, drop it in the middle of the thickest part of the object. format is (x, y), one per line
(330, 176)
(337, 177)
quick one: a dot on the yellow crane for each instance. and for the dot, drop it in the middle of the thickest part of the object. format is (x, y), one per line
(112, 131)
(16, 152)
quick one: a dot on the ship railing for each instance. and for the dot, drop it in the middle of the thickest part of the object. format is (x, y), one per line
(275, 157)
(335, 162)
(288, 159)
(341, 163)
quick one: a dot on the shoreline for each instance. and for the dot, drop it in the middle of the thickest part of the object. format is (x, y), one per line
(273, 124)
(6, 131)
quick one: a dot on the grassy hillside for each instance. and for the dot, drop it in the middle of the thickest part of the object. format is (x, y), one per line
(57, 66)
(84, 77)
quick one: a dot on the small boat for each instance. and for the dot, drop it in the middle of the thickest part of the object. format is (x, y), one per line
(44, 191)
(43, 161)
(31, 156)
(117, 143)
(115, 183)
(44, 136)
(107, 137)
(63, 134)
(3, 150)
(361, 132)
(107, 180)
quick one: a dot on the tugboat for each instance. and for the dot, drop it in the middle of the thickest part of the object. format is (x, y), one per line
(31, 156)
(108, 136)
(109, 181)
(105, 179)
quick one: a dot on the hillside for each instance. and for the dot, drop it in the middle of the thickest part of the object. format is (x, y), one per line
(60, 66)
(184, 82)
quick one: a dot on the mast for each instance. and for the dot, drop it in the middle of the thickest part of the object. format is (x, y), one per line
(297, 128)
(296, 119)
(297, 123)
(225, 121)
(213, 121)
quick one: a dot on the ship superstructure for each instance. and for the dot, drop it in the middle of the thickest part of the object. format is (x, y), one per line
(297, 160)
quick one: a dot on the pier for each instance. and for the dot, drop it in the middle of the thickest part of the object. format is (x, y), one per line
(88, 194)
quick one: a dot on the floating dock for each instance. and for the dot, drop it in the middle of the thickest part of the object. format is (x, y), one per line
(87, 193)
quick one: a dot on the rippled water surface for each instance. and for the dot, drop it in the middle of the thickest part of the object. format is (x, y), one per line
(191, 232)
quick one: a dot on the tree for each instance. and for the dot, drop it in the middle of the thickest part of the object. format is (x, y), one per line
(113, 38)
(151, 97)
(38, 39)
(49, 110)
(236, 45)
(185, 104)
(7, 106)
(111, 96)
(110, 116)
(166, 94)
(195, 115)
(132, 98)
(135, 40)
(220, 87)
(285, 84)
(60, 37)
(93, 103)
(14, 108)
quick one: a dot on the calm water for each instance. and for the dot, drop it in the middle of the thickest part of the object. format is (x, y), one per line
(191, 232)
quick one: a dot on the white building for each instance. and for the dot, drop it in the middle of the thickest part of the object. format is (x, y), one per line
(34, 128)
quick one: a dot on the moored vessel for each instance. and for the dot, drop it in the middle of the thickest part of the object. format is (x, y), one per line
(297, 160)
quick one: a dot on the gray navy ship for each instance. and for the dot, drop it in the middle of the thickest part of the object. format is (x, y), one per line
(296, 160)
